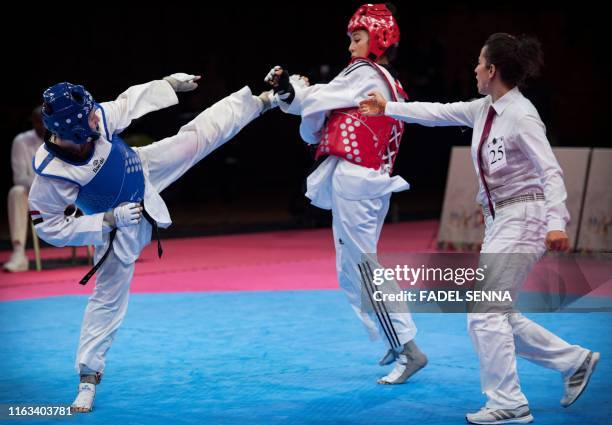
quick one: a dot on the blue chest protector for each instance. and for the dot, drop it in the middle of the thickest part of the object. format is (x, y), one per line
(119, 180)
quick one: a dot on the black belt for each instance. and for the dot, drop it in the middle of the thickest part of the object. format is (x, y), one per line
(95, 268)
(113, 233)
(153, 224)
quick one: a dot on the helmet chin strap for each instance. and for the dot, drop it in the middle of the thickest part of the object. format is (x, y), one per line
(78, 149)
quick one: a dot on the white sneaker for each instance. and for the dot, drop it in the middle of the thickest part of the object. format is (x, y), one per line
(408, 362)
(85, 398)
(576, 384)
(17, 263)
(520, 415)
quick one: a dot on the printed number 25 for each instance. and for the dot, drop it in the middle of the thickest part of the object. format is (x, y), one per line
(496, 155)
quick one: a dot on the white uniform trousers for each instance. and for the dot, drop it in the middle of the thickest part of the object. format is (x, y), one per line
(498, 337)
(356, 227)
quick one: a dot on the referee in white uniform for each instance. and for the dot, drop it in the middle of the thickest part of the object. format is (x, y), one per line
(523, 198)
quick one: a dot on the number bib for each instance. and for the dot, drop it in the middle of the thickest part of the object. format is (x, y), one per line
(496, 154)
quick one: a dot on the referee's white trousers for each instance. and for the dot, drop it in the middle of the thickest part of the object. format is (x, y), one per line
(356, 229)
(163, 163)
(498, 337)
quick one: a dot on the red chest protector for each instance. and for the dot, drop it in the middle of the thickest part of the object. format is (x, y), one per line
(372, 142)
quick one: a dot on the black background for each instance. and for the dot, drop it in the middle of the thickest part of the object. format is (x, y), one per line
(256, 181)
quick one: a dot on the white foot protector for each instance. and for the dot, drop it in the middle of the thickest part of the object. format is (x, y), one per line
(408, 362)
(85, 398)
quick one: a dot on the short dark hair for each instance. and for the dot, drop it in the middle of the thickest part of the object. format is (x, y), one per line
(516, 58)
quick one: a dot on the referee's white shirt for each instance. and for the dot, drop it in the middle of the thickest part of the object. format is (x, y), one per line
(530, 165)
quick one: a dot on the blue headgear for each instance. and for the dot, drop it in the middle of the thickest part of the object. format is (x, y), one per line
(65, 112)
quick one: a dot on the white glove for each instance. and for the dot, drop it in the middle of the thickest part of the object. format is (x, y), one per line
(127, 214)
(181, 82)
(272, 75)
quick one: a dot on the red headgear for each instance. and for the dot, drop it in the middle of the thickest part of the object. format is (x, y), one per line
(380, 24)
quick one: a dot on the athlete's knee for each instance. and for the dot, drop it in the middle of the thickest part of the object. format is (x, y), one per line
(108, 301)
(517, 320)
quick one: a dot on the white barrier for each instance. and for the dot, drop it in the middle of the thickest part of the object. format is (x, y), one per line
(574, 162)
(461, 223)
(595, 232)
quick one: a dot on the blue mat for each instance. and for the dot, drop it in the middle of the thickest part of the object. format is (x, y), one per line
(271, 358)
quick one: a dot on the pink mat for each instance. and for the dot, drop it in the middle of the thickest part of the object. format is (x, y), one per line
(285, 260)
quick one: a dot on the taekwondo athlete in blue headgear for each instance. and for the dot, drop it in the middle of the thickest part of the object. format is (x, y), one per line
(91, 188)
